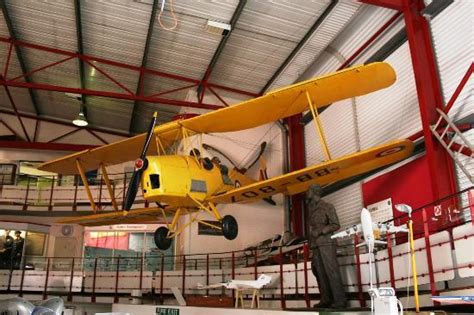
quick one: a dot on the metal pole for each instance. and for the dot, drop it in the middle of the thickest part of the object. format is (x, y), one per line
(429, 258)
(255, 264)
(390, 260)
(69, 297)
(93, 281)
(20, 294)
(282, 289)
(359, 272)
(305, 268)
(116, 298)
(413, 264)
(207, 273)
(141, 272)
(184, 275)
(233, 272)
(45, 291)
(162, 273)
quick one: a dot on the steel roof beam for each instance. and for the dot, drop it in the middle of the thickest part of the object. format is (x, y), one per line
(121, 65)
(300, 45)
(146, 51)
(124, 96)
(64, 123)
(233, 22)
(21, 61)
(45, 146)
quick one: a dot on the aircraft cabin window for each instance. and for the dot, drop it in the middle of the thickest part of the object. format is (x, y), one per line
(155, 181)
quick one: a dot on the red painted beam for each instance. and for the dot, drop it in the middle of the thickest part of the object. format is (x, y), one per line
(382, 29)
(460, 87)
(124, 96)
(45, 146)
(297, 161)
(63, 123)
(389, 4)
(120, 65)
(441, 170)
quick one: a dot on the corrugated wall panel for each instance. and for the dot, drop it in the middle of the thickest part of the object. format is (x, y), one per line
(348, 203)
(452, 32)
(391, 113)
(327, 31)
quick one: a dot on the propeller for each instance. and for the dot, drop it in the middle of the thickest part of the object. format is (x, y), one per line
(140, 165)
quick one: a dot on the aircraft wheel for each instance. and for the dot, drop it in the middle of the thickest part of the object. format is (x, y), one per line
(230, 228)
(161, 241)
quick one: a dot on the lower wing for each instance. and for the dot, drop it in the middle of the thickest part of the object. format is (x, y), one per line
(144, 215)
(323, 174)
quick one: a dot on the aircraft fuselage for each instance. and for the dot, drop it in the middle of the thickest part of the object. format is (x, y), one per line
(172, 179)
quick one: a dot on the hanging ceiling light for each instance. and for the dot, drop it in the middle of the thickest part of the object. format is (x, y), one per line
(80, 120)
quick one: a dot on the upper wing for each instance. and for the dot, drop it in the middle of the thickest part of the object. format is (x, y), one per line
(348, 232)
(292, 100)
(275, 105)
(323, 174)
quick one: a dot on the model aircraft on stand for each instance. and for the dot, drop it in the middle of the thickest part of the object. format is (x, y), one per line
(383, 299)
(188, 184)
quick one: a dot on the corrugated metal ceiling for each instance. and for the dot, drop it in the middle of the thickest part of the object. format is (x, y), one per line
(265, 35)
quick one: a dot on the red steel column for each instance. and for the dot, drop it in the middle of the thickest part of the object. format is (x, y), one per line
(440, 165)
(297, 161)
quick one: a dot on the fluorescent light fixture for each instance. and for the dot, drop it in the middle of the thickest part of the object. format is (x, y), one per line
(80, 120)
(216, 27)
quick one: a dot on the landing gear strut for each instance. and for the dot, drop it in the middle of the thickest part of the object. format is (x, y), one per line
(230, 228)
(161, 239)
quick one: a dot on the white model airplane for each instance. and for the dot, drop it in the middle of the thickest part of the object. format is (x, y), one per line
(367, 227)
(383, 300)
(262, 281)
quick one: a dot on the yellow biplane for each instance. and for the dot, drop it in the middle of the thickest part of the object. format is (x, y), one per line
(188, 184)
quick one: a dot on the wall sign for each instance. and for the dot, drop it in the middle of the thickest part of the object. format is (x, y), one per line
(167, 311)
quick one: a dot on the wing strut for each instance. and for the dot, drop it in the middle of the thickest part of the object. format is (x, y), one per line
(319, 127)
(86, 184)
(109, 186)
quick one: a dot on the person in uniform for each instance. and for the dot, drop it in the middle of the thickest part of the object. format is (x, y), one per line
(17, 249)
(6, 251)
(323, 223)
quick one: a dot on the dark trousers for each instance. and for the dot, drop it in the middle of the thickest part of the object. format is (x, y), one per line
(326, 270)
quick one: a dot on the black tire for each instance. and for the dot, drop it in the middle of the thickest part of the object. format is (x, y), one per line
(161, 240)
(230, 228)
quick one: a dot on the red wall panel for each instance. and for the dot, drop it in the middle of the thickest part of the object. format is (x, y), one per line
(407, 184)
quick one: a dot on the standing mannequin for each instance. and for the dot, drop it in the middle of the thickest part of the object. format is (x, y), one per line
(17, 250)
(323, 222)
(6, 252)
